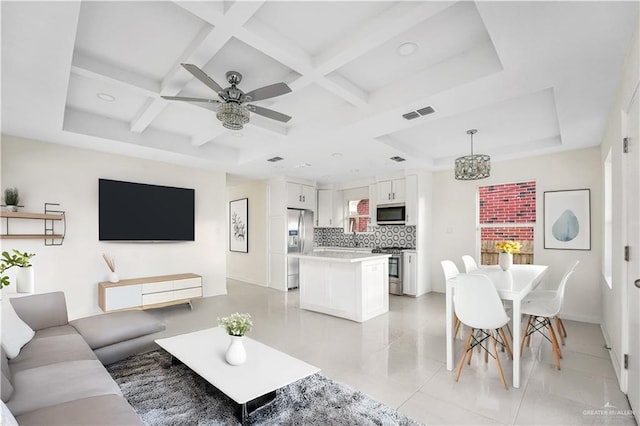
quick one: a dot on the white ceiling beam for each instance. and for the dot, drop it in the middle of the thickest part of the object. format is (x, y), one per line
(93, 68)
(147, 114)
(344, 88)
(398, 19)
(207, 136)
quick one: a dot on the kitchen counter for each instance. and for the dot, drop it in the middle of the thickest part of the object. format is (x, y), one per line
(339, 256)
(345, 284)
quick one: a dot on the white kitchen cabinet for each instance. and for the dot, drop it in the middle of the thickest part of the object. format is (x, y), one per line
(300, 196)
(330, 209)
(391, 191)
(411, 200)
(409, 273)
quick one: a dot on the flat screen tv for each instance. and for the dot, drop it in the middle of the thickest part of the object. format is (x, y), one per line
(130, 211)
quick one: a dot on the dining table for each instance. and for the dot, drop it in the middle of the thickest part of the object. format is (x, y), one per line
(513, 285)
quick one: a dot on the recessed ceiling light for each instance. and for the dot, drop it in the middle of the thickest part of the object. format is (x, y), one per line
(407, 49)
(106, 97)
(337, 155)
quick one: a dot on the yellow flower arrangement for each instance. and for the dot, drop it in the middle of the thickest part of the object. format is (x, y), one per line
(508, 246)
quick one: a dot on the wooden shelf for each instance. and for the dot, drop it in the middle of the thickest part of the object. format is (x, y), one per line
(29, 236)
(54, 221)
(24, 215)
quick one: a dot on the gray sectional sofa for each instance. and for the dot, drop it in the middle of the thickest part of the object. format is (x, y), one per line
(57, 378)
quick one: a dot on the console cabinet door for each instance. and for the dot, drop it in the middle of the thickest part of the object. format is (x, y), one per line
(123, 297)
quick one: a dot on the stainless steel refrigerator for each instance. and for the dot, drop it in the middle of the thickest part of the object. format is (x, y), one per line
(299, 240)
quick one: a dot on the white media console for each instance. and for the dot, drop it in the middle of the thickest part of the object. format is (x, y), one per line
(149, 292)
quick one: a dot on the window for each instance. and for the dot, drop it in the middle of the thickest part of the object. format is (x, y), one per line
(358, 215)
(507, 212)
(356, 203)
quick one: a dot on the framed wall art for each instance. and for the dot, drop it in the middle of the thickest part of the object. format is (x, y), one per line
(567, 219)
(239, 225)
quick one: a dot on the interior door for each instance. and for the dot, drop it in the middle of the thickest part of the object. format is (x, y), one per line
(632, 197)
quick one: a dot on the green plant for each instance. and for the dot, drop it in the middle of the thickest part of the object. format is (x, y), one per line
(236, 324)
(10, 260)
(11, 196)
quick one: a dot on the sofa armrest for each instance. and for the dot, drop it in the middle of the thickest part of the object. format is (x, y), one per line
(41, 311)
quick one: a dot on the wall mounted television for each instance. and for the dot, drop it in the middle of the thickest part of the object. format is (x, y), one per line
(130, 211)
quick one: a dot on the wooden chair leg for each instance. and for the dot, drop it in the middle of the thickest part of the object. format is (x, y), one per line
(486, 353)
(506, 342)
(509, 330)
(495, 352)
(456, 323)
(464, 354)
(554, 343)
(559, 329)
(564, 331)
(524, 335)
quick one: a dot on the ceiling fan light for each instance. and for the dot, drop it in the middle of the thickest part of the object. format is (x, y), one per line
(233, 116)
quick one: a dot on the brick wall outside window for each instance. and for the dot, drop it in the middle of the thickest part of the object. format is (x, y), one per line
(511, 203)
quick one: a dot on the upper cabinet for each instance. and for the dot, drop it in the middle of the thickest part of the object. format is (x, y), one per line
(300, 196)
(391, 191)
(330, 209)
(411, 200)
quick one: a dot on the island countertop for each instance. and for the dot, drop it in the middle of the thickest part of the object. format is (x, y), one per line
(339, 256)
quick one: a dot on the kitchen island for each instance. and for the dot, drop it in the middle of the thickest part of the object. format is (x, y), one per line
(345, 284)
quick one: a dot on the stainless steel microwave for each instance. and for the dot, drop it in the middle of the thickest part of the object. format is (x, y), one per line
(391, 214)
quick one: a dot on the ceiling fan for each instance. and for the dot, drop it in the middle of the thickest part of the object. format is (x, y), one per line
(232, 110)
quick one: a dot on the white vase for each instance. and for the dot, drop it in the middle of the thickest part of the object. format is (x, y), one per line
(113, 277)
(236, 354)
(505, 260)
(25, 280)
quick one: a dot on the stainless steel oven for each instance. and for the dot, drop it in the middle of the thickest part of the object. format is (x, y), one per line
(395, 268)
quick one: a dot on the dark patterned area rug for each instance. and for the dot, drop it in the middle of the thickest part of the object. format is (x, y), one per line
(163, 394)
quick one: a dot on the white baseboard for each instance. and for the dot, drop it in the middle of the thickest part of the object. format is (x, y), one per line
(581, 318)
(244, 280)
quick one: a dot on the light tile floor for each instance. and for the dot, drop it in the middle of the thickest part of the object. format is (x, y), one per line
(399, 359)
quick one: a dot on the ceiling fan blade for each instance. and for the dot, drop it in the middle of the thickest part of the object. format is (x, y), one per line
(267, 92)
(182, 98)
(269, 113)
(200, 75)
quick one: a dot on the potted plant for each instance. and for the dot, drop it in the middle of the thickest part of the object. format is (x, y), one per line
(11, 199)
(21, 260)
(236, 326)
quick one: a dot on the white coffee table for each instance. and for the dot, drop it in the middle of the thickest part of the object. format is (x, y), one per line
(265, 370)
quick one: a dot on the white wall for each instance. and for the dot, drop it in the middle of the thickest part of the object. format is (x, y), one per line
(46, 172)
(251, 267)
(614, 298)
(455, 210)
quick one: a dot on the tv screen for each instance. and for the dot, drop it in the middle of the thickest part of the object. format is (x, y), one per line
(139, 212)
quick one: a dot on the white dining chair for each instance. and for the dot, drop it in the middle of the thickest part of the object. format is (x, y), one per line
(542, 306)
(478, 306)
(451, 271)
(470, 263)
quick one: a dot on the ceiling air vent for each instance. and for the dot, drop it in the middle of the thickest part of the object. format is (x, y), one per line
(275, 159)
(411, 115)
(398, 159)
(419, 113)
(426, 110)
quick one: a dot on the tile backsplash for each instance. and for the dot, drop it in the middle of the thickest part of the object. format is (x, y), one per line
(382, 236)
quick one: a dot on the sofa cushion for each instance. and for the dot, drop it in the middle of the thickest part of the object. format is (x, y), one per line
(115, 327)
(6, 389)
(54, 384)
(15, 333)
(42, 310)
(5, 363)
(50, 350)
(55, 331)
(97, 410)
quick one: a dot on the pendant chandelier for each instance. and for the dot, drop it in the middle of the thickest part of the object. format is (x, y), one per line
(472, 167)
(233, 116)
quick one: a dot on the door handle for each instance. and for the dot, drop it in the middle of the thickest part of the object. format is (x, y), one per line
(637, 283)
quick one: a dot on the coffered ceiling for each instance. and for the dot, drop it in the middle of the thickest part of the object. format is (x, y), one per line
(532, 77)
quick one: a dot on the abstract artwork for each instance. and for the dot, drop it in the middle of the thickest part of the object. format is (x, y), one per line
(567, 219)
(239, 225)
